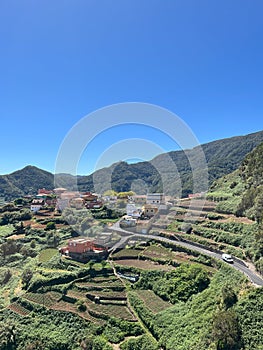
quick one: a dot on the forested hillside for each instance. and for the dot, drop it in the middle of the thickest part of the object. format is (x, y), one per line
(222, 156)
(241, 192)
(169, 172)
(25, 181)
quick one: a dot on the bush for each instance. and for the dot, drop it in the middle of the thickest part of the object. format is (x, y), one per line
(142, 343)
(81, 306)
(50, 226)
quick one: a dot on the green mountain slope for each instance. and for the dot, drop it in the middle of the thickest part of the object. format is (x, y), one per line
(168, 172)
(223, 157)
(241, 192)
(25, 181)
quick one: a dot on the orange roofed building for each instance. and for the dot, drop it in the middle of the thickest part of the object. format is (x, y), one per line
(84, 249)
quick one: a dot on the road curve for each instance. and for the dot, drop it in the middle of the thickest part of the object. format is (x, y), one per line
(252, 276)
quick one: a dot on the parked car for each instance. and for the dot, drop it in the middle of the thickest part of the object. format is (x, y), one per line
(227, 258)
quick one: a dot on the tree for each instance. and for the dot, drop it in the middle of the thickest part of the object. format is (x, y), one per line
(19, 228)
(91, 264)
(8, 248)
(33, 244)
(225, 331)
(50, 226)
(26, 277)
(103, 264)
(53, 239)
(7, 336)
(27, 251)
(229, 297)
(6, 276)
(81, 306)
(259, 207)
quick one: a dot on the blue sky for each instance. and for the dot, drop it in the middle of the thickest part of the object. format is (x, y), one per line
(61, 60)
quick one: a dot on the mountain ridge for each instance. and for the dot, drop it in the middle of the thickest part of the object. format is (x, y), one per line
(222, 156)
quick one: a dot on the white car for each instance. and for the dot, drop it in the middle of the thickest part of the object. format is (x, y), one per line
(228, 258)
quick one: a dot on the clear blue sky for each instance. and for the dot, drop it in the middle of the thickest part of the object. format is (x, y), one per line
(61, 60)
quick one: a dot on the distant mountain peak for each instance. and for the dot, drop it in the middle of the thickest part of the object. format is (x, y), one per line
(223, 157)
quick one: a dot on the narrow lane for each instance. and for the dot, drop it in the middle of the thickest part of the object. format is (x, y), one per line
(252, 276)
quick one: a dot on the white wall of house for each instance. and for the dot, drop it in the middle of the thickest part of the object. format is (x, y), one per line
(35, 207)
(155, 198)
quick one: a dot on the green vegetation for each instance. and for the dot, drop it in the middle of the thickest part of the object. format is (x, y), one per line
(152, 301)
(143, 342)
(241, 193)
(6, 230)
(25, 181)
(175, 285)
(188, 325)
(46, 254)
(223, 157)
(182, 300)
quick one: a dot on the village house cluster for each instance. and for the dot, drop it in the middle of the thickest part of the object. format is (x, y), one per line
(61, 198)
(139, 208)
(143, 207)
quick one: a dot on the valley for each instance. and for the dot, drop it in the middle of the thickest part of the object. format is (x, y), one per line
(161, 282)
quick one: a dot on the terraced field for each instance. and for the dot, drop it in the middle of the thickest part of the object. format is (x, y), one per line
(103, 297)
(111, 283)
(102, 310)
(19, 309)
(119, 311)
(153, 257)
(144, 264)
(152, 301)
(65, 306)
(127, 254)
(46, 254)
(46, 299)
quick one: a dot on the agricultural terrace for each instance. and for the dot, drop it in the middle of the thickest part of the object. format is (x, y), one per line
(152, 301)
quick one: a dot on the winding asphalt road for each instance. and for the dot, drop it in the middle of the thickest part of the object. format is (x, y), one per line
(238, 265)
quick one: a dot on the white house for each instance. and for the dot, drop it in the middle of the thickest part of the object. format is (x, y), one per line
(127, 221)
(133, 211)
(155, 198)
(37, 204)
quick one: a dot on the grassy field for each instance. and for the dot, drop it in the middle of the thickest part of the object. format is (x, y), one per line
(127, 253)
(6, 230)
(45, 299)
(46, 254)
(144, 264)
(152, 301)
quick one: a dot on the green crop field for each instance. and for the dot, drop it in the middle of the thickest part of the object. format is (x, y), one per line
(118, 311)
(127, 254)
(157, 251)
(45, 299)
(46, 254)
(152, 301)
(19, 309)
(6, 230)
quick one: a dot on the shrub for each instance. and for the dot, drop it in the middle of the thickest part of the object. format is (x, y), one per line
(81, 306)
(50, 226)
